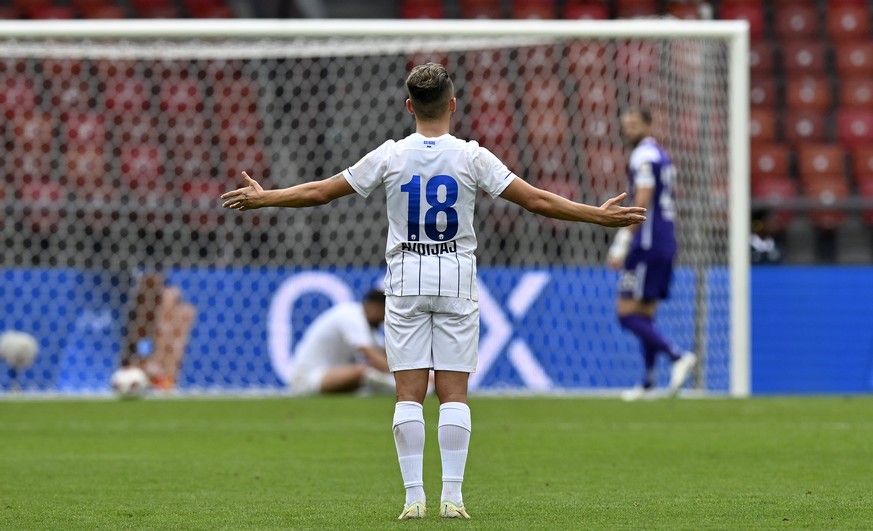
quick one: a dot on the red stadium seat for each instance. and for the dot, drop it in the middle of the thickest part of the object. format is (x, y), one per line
(762, 125)
(753, 13)
(85, 5)
(52, 13)
(170, 11)
(637, 60)
(31, 130)
(763, 92)
(808, 92)
(105, 12)
(689, 11)
(821, 159)
(17, 95)
(142, 169)
(761, 59)
(87, 171)
(251, 159)
(856, 92)
(30, 134)
(234, 96)
(44, 199)
(126, 96)
(826, 190)
(805, 126)
(804, 57)
(606, 169)
(180, 95)
(9, 13)
(587, 59)
(848, 22)
(637, 8)
(68, 89)
(240, 131)
(598, 96)
(797, 22)
(854, 58)
(134, 129)
(770, 160)
(775, 190)
(862, 161)
(187, 133)
(85, 129)
(412, 9)
(533, 9)
(595, 11)
(31, 4)
(855, 126)
(214, 12)
(488, 9)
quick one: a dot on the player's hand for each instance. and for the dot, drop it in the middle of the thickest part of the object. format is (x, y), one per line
(248, 198)
(614, 215)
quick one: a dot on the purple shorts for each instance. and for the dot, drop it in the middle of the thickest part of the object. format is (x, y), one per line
(646, 275)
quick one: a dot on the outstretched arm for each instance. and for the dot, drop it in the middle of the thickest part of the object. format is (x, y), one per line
(545, 203)
(303, 195)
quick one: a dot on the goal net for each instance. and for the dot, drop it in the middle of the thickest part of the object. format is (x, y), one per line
(117, 148)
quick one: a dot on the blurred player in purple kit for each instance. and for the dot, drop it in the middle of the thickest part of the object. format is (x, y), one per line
(644, 254)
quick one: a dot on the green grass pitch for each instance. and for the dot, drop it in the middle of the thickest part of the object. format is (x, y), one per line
(535, 463)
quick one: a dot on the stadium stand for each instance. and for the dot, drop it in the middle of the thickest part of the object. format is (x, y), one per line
(811, 88)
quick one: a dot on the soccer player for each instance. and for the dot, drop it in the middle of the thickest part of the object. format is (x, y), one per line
(431, 181)
(339, 352)
(644, 254)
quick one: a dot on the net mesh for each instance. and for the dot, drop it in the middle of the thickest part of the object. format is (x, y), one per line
(117, 152)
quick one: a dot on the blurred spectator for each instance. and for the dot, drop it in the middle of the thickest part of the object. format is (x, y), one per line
(765, 250)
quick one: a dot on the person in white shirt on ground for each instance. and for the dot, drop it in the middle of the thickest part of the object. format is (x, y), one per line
(340, 351)
(431, 180)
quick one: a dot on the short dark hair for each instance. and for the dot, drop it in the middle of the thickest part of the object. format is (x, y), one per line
(430, 90)
(374, 296)
(644, 113)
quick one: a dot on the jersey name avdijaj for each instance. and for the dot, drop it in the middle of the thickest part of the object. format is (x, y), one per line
(431, 186)
(650, 166)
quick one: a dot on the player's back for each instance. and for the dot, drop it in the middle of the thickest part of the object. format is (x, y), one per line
(334, 337)
(431, 186)
(651, 166)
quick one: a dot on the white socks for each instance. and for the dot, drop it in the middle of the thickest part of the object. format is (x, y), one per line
(409, 438)
(454, 439)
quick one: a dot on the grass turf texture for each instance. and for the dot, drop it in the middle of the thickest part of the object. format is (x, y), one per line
(328, 463)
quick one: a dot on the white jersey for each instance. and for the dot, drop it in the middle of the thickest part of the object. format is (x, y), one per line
(334, 338)
(431, 186)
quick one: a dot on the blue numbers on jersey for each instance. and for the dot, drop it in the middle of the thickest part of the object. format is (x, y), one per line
(432, 195)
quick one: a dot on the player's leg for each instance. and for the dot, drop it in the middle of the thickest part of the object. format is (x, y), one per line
(408, 428)
(642, 284)
(456, 338)
(408, 345)
(343, 378)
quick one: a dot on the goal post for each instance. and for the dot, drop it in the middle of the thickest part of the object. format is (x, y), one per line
(120, 135)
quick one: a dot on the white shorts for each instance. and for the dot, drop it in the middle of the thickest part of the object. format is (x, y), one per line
(307, 383)
(428, 332)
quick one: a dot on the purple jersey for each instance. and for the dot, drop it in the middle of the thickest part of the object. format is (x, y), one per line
(650, 166)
